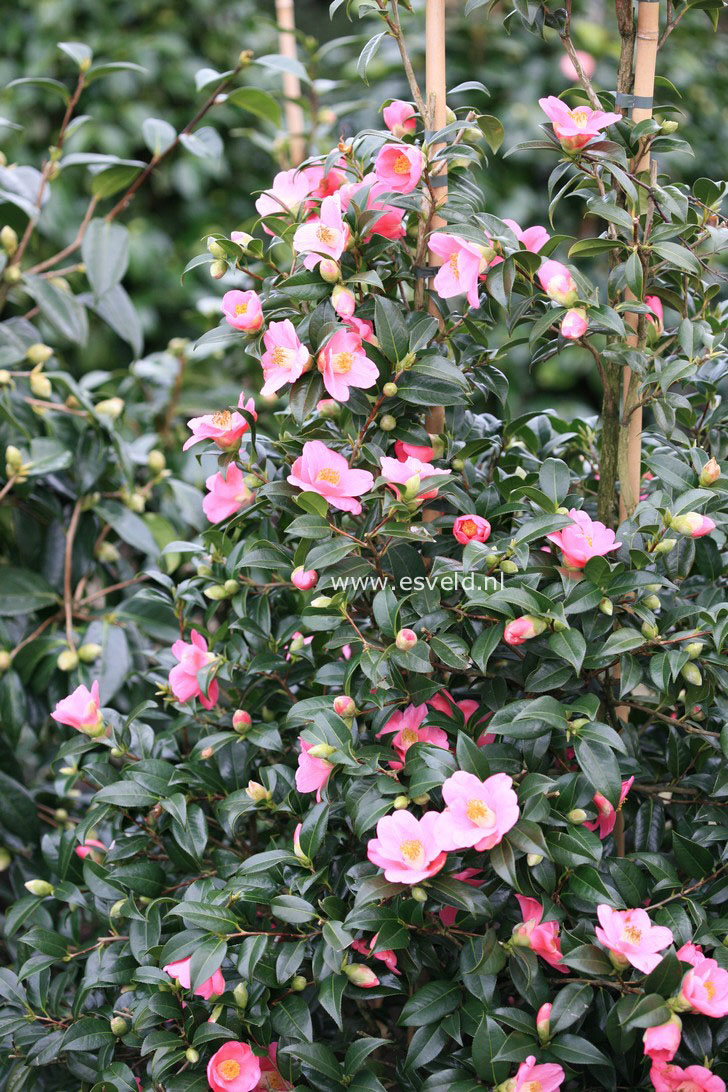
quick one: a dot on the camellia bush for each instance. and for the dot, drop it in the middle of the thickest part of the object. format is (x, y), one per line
(418, 779)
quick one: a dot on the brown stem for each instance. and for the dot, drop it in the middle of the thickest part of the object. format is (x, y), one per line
(67, 572)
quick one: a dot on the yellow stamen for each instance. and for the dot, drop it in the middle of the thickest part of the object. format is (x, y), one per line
(532, 1086)
(222, 419)
(580, 118)
(453, 263)
(333, 477)
(282, 356)
(408, 736)
(412, 850)
(228, 1069)
(326, 235)
(402, 165)
(632, 934)
(342, 362)
(709, 989)
(479, 813)
(468, 527)
(241, 309)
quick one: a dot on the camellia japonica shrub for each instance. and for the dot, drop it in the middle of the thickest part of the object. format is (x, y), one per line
(427, 787)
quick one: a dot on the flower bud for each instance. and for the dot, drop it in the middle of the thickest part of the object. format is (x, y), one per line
(387, 423)
(691, 674)
(419, 894)
(117, 908)
(328, 407)
(652, 602)
(692, 524)
(67, 660)
(118, 1026)
(9, 240)
(206, 753)
(533, 859)
(405, 640)
(257, 792)
(649, 631)
(558, 283)
(304, 579)
(297, 644)
(343, 301)
(321, 601)
(411, 487)
(5, 859)
(267, 714)
(13, 460)
(12, 274)
(361, 976)
(156, 461)
(89, 652)
(344, 706)
(421, 800)
(218, 269)
(192, 1056)
(40, 385)
(241, 721)
(389, 390)
(240, 993)
(710, 473)
(215, 592)
(400, 802)
(694, 648)
(606, 606)
(321, 750)
(107, 552)
(298, 983)
(41, 888)
(330, 270)
(458, 464)
(543, 1023)
(666, 546)
(508, 567)
(6, 379)
(5, 660)
(576, 815)
(38, 353)
(215, 248)
(110, 407)
(231, 586)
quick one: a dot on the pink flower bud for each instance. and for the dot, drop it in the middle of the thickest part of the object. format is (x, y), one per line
(471, 529)
(88, 847)
(405, 640)
(661, 1042)
(304, 579)
(658, 315)
(543, 1022)
(574, 324)
(297, 843)
(710, 473)
(241, 720)
(359, 975)
(523, 629)
(343, 301)
(399, 117)
(344, 705)
(558, 283)
(692, 524)
(328, 407)
(330, 270)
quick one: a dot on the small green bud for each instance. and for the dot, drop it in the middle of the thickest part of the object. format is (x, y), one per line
(5, 660)
(216, 592)
(107, 552)
(491, 560)
(116, 910)
(694, 648)
(192, 1056)
(218, 269)
(606, 606)
(665, 546)
(558, 626)
(578, 723)
(652, 602)
(267, 714)
(534, 859)
(240, 993)
(669, 127)
(389, 390)
(387, 423)
(40, 385)
(9, 240)
(89, 652)
(321, 750)
(400, 802)
(156, 461)
(13, 460)
(321, 601)
(110, 407)
(298, 983)
(12, 274)
(421, 800)
(67, 660)
(118, 1026)
(419, 894)
(231, 586)
(649, 632)
(710, 473)
(458, 464)
(576, 815)
(257, 792)
(6, 379)
(60, 814)
(41, 888)
(252, 481)
(508, 567)
(215, 248)
(691, 674)
(5, 859)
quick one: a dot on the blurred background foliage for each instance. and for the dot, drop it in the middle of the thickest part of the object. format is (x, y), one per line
(190, 197)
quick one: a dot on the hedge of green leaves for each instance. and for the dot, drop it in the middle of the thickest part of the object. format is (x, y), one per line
(392, 758)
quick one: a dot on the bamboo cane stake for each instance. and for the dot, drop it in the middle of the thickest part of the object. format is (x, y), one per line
(286, 20)
(648, 24)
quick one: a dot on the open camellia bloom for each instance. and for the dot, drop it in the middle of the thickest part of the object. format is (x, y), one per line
(270, 1078)
(534, 1077)
(541, 936)
(607, 812)
(575, 128)
(312, 773)
(82, 710)
(224, 428)
(227, 494)
(478, 813)
(243, 310)
(285, 358)
(399, 167)
(462, 264)
(705, 987)
(324, 236)
(583, 539)
(695, 1078)
(287, 194)
(193, 656)
(471, 529)
(233, 1068)
(180, 969)
(406, 727)
(322, 182)
(406, 847)
(399, 117)
(410, 473)
(321, 470)
(344, 364)
(631, 937)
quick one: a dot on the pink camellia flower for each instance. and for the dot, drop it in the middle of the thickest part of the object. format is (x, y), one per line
(409, 474)
(227, 494)
(312, 773)
(361, 976)
(462, 264)
(445, 703)
(587, 62)
(388, 957)
(363, 328)
(343, 301)
(321, 470)
(575, 128)
(89, 846)
(673, 1078)
(405, 451)
(399, 167)
(286, 196)
(344, 364)
(471, 529)
(399, 117)
(407, 728)
(324, 183)
(478, 813)
(243, 310)
(233, 1068)
(692, 524)
(193, 657)
(285, 358)
(543, 1022)
(82, 710)
(471, 876)
(607, 812)
(523, 629)
(690, 953)
(541, 936)
(705, 988)
(241, 719)
(538, 1078)
(322, 237)
(631, 938)
(574, 324)
(270, 1078)
(304, 579)
(558, 283)
(406, 847)
(533, 238)
(658, 315)
(224, 428)
(583, 539)
(367, 195)
(180, 970)
(661, 1042)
